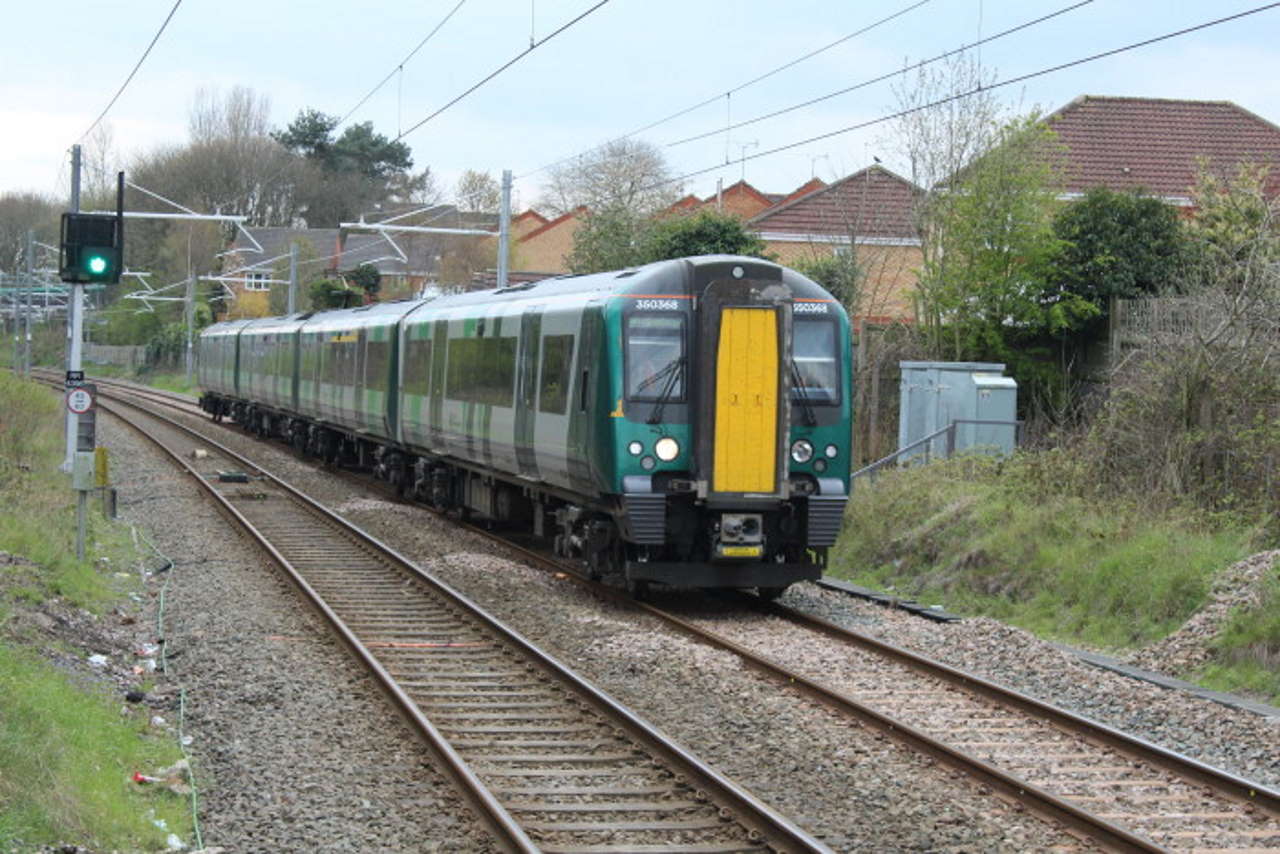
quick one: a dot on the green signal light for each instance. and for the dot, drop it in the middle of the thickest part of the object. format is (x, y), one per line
(97, 265)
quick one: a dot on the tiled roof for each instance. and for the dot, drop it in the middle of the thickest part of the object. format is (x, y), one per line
(1155, 144)
(577, 212)
(873, 202)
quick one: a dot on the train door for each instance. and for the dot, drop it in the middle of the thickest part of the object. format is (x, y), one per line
(745, 447)
(527, 389)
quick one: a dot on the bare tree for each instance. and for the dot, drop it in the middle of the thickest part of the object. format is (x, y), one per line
(951, 117)
(478, 191)
(241, 114)
(19, 212)
(101, 163)
(628, 174)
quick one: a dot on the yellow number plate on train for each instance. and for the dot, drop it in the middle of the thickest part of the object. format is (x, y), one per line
(740, 551)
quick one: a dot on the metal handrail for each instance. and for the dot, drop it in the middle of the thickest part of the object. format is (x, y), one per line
(873, 469)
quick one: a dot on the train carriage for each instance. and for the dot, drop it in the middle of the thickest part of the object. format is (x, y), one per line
(218, 358)
(687, 422)
(347, 370)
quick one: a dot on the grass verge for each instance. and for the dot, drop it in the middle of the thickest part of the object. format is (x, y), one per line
(997, 538)
(65, 759)
(1247, 653)
(65, 750)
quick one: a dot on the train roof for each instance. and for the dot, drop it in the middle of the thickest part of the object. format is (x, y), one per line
(660, 277)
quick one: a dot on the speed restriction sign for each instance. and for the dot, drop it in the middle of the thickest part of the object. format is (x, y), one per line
(79, 401)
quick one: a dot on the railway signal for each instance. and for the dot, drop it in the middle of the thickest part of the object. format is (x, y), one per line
(91, 248)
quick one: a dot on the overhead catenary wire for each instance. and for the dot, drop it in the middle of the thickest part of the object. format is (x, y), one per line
(738, 88)
(399, 67)
(878, 79)
(141, 59)
(530, 49)
(971, 92)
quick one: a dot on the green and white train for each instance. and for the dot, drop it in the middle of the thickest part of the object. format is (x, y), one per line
(687, 422)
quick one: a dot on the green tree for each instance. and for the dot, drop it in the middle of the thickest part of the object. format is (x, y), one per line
(1235, 231)
(988, 286)
(349, 173)
(1120, 245)
(841, 275)
(332, 293)
(367, 278)
(609, 239)
(359, 149)
(706, 232)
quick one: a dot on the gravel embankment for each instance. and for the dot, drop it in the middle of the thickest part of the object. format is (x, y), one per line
(294, 748)
(1235, 740)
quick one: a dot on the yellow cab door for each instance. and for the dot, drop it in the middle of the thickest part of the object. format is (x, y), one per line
(746, 415)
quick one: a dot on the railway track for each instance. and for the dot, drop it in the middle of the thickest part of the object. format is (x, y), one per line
(1104, 785)
(547, 761)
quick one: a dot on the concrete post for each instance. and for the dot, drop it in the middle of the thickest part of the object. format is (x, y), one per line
(29, 304)
(292, 305)
(75, 318)
(504, 229)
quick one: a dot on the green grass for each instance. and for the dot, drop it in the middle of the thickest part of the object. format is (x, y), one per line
(65, 751)
(65, 759)
(994, 538)
(1247, 653)
(176, 382)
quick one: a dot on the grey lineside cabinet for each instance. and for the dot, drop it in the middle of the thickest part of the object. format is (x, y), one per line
(934, 394)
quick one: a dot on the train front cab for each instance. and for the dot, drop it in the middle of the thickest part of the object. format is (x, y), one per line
(732, 432)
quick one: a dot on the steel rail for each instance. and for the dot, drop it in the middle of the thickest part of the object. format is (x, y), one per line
(764, 824)
(492, 814)
(1224, 782)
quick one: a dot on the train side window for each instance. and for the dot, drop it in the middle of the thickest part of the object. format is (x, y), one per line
(482, 370)
(376, 365)
(582, 402)
(557, 359)
(417, 366)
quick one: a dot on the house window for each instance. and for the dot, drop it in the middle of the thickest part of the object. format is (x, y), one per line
(256, 282)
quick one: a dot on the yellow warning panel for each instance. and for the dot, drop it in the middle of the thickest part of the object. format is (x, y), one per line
(746, 431)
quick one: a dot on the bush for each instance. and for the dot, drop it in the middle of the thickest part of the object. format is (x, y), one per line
(1007, 539)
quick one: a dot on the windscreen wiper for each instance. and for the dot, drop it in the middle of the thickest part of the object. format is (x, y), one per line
(674, 372)
(810, 418)
(661, 374)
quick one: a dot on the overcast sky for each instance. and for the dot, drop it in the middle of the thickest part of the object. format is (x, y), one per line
(629, 63)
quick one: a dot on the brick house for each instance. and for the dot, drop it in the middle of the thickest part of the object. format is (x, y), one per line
(868, 213)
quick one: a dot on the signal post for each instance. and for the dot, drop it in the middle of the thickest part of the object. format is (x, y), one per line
(91, 250)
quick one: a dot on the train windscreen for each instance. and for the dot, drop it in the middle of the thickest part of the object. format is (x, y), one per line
(655, 357)
(817, 368)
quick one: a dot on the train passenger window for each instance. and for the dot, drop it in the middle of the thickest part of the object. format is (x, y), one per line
(482, 370)
(557, 359)
(376, 365)
(417, 366)
(655, 357)
(816, 376)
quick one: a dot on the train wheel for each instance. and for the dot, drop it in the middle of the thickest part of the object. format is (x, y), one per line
(638, 589)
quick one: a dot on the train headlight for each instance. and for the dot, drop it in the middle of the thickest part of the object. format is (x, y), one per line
(831, 451)
(802, 450)
(635, 448)
(667, 449)
(819, 465)
(647, 463)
